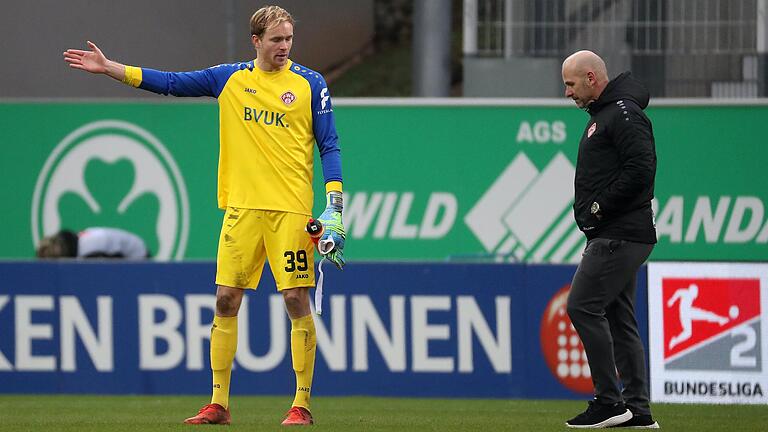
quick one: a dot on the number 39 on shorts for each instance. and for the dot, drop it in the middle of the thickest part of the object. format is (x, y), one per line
(295, 261)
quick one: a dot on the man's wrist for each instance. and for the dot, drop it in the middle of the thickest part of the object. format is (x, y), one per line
(335, 200)
(595, 208)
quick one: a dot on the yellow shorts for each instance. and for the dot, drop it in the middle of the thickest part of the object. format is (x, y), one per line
(250, 237)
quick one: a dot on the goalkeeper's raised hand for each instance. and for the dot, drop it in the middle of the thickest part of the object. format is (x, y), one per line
(331, 244)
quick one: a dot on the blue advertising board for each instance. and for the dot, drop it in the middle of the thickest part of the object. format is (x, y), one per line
(410, 329)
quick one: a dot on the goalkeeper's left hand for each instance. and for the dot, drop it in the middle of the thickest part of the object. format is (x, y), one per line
(331, 244)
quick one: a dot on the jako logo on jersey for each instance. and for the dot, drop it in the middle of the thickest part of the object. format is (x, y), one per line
(109, 142)
(711, 324)
(268, 118)
(561, 346)
(288, 97)
(511, 218)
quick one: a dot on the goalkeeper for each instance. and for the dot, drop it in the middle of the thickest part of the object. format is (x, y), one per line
(271, 112)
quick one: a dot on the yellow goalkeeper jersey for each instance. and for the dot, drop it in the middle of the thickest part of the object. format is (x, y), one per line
(268, 124)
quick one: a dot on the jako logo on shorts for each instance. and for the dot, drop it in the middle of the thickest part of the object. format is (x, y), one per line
(711, 324)
(110, 142)
(561, 346)
(525, 215)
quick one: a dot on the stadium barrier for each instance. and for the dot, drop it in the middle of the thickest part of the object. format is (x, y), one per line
(411, 329)
(425, 180)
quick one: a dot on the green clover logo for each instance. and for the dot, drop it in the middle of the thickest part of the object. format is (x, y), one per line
(115, 174)
(109, 184)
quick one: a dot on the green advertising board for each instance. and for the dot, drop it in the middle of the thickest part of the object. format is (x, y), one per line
(430, 181)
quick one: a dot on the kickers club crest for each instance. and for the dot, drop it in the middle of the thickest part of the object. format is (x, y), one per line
(288, 97)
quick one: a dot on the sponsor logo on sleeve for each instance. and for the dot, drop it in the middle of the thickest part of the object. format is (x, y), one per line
(325, 102)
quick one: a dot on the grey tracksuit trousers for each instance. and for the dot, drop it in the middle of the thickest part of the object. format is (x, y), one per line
(601, 306)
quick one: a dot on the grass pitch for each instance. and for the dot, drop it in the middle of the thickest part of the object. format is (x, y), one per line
(165, 413)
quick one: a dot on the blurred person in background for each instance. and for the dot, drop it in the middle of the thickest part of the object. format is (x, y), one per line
(615, 172)
(95, 242)
(271, 112)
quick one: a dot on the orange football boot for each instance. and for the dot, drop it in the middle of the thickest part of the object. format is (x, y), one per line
(211, 414)
(298, 416)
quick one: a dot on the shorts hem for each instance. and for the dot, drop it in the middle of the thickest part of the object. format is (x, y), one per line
(233, 285)
(279, 288)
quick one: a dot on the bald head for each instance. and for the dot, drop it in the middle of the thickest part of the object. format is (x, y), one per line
(585, 77)
(586, 61)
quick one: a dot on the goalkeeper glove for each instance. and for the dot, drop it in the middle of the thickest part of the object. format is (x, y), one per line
(331, 244)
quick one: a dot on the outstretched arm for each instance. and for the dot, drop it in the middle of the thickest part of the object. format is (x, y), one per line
(206, 82)
(94, 61)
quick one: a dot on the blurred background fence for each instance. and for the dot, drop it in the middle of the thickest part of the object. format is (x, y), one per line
(475, 48)
(680, 48)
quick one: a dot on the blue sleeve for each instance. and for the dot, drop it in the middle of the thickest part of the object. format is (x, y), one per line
(324, 128)
(206, 82)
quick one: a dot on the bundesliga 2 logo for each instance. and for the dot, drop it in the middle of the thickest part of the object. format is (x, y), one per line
(711, 324)
(707, 332)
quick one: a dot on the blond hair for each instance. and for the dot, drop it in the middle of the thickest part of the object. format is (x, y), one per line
(268, 17)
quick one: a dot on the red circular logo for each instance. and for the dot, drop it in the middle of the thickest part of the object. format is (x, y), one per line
(562, 348)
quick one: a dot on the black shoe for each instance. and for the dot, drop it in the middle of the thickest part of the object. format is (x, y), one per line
(639, 422)
(599, 415)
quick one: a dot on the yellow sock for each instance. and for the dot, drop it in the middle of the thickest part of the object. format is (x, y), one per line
(303, 344)
(223, 347)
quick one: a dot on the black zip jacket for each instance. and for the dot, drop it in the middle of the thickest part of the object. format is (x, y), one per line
(616, 165)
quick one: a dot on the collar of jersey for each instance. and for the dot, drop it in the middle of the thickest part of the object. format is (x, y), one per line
(272, 74)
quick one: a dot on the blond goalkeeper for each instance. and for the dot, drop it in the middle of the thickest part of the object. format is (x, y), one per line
(272, 111)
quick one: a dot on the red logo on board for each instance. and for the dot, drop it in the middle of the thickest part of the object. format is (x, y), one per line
(562, 348)
(699, 310)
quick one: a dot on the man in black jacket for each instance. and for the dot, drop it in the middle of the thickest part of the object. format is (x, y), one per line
(614, 181)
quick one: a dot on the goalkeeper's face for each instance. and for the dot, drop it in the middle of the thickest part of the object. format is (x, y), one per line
(274, 47)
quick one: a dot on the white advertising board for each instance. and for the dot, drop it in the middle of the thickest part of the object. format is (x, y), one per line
(707, 332)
